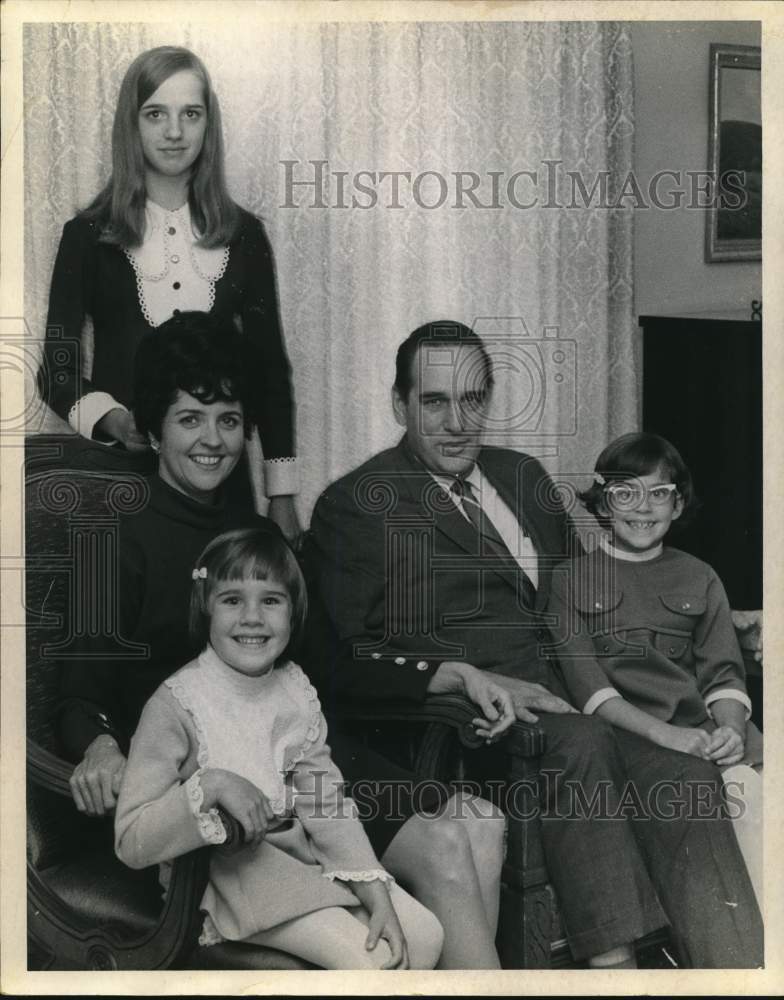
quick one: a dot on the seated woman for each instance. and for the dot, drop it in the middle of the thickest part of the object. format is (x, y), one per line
(192, 398)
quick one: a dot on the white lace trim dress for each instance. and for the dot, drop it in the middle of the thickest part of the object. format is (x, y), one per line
(270, 730)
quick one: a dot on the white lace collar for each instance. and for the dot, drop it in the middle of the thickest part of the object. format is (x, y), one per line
(167, 232)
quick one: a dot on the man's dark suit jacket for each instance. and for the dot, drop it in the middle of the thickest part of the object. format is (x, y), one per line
(401, 577)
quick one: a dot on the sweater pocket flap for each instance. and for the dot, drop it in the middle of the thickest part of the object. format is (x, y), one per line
(684, 603)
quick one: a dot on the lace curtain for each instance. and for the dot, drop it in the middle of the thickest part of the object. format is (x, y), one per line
(456, 106)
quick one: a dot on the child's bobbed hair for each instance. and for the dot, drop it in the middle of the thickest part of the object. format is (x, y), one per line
(247, 554)
(635, 455)
(119, 208)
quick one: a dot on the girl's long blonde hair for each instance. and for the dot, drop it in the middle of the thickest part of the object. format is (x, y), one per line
(119, 207)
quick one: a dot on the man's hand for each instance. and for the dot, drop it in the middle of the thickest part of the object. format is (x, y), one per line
(119, 425)
(95, 783)
(488, 690)
(527, 696)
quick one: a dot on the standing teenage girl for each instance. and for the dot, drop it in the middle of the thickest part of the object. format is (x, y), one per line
(164, 237)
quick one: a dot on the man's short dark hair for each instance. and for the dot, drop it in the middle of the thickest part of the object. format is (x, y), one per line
(439, 334)
(195, 353)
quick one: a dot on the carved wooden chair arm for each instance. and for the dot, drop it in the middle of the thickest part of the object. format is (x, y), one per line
(89, 946)
(443, 712)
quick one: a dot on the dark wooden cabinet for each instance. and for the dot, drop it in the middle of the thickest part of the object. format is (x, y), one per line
(702, 389)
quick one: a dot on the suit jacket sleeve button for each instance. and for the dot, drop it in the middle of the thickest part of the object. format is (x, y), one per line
(400, 660)
(422, 665)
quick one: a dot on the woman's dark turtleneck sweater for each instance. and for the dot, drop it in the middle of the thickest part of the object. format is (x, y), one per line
(158, 549)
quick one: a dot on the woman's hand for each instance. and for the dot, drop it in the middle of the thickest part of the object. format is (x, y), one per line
(374, 896)
(95, 783)
(119, 425)
(682, 738)
(727, 746)
(241, 799)
(283, 512)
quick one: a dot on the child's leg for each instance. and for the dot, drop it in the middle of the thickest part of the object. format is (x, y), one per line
(334, 938)
(744, 789)
(434, 857)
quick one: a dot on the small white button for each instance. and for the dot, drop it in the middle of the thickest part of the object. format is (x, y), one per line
(422, 665)
(400, 660)
(686, 606)
(598, 605)
(375, 656)
(174, 258)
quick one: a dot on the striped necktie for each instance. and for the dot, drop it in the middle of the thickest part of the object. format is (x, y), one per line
(491, 540)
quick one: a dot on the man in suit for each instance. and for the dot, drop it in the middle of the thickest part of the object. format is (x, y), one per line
(434, 560)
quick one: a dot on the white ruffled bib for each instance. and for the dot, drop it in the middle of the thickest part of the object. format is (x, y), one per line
(172, 271)
(257, 727)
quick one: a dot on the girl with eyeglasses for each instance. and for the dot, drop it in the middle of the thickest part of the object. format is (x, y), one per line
(658, 621)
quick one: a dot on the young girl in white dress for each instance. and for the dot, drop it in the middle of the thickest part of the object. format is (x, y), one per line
(241, 728)
(163, 237)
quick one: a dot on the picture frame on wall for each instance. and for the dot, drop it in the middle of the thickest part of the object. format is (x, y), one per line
(734, 220)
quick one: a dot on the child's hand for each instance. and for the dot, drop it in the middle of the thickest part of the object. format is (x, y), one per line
(383, 922)
(681, 738)
(726, 746)
(241, 799)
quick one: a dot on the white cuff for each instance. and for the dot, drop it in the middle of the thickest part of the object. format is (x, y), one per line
(599, 698)
(281, 477)
(369, 875)
(210, 824)
(87, 411)
(733, 695)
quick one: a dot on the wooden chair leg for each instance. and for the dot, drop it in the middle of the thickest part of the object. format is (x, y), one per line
(525, 923)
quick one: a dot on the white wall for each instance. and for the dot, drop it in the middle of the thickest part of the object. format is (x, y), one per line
(671, 72)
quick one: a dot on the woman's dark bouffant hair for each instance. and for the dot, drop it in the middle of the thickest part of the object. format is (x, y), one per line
(635, 455)
(248, 553)
(193, 352)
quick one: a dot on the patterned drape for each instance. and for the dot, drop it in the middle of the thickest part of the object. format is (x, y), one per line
(463, 109)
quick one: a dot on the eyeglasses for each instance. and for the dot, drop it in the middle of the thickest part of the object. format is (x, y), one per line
(630, 496)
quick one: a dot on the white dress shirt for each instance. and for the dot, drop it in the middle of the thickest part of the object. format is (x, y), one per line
(502, 517)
